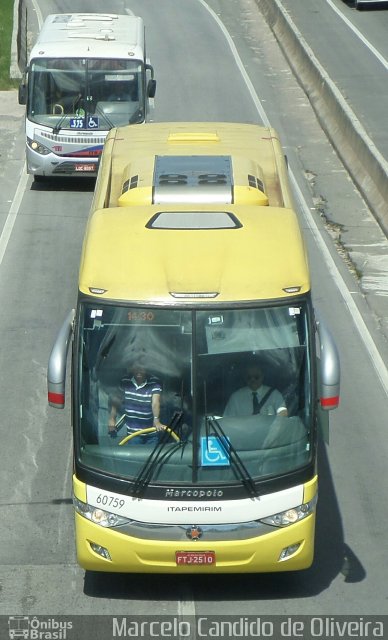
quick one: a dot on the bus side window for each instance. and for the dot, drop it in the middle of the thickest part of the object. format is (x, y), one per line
(39, 102)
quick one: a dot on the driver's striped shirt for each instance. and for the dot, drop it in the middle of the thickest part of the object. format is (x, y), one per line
(138, 402)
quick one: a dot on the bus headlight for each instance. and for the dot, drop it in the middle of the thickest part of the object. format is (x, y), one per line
(38, 147)
(97, 515)
(290, 516)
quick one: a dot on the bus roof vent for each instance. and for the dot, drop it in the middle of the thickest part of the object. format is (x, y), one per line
(81, 18)
(194, 220)
(200, 136)
(131, 183)
(256, 183)
(102, 35)
(193, 179)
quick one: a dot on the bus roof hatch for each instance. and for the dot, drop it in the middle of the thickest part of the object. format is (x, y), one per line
(193, 179)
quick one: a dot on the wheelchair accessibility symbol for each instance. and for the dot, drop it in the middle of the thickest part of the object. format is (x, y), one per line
(214, 451)
(93, 122)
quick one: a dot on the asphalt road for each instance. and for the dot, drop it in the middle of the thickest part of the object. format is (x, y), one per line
(199, 77)
(353, 48)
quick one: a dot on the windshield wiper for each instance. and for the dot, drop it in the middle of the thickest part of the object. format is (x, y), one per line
(235, 460)
(66, 114)
(105, 351)
(156, 456)
(102, 113)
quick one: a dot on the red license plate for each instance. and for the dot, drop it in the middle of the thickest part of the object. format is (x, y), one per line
(85, 167)
(195, 557)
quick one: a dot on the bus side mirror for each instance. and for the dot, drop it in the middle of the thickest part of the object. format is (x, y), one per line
(151, 88)
(330, 371)
(56, 370)
(22, 94)
(151, 85)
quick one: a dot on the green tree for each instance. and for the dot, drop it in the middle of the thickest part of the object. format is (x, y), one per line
(6, 26)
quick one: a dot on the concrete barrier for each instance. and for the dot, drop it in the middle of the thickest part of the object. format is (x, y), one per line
(18, 42)
(365, 164)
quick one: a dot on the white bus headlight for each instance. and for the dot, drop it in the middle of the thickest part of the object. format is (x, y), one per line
(97, 515)
(290, 516)
(38, 147)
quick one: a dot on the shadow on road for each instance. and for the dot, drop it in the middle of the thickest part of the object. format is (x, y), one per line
(63, 184)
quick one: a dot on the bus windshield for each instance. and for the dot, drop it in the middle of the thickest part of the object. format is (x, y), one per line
(234, 386)
(93, 94)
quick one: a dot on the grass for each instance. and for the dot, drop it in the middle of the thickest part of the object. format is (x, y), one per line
(6, 26)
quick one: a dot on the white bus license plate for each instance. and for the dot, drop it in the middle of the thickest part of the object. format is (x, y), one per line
(195, 557)
(85, 167)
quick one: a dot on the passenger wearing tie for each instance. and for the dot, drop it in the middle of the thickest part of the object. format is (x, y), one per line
(255, 397)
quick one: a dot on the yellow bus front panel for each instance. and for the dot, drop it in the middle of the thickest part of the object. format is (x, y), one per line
(255, 555)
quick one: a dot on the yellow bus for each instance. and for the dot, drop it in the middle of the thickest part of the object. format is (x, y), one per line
(187, 162)
(213, 303)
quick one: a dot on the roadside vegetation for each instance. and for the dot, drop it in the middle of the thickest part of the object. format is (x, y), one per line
(6, 25)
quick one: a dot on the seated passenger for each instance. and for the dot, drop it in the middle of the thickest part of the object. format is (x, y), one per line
(255, 397)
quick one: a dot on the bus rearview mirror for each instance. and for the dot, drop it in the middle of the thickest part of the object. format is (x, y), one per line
(151, 88)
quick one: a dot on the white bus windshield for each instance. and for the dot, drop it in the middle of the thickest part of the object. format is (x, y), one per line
(230, 382)
(92, 94)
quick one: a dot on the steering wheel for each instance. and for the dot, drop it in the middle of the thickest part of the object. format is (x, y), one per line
(148, 430)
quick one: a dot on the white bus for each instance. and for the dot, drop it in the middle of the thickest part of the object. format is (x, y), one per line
(86, 74)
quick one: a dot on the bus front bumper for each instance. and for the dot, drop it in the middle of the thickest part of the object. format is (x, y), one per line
(52, 165)
(104, 549)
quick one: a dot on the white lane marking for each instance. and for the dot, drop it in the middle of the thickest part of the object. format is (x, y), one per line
(232, 46)
(186, 612)
(21, 187)
(13, 212)
(375, 357)
(38, 13)
(359, 35)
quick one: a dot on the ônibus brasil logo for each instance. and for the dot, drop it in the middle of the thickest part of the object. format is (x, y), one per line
(34, 628)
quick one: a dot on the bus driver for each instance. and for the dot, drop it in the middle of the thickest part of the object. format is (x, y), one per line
(140, 400)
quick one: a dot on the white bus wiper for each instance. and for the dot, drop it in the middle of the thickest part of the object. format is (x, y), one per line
(102, 113)
(229, 450)
(66, 114)
(156, 456)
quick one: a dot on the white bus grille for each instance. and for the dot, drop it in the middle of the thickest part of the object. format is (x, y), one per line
(73, 139)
